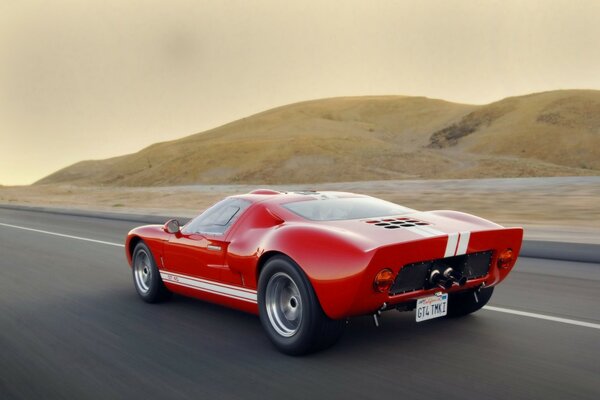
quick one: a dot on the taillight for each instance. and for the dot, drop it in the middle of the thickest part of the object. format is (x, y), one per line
(506, 259)
(383, 280)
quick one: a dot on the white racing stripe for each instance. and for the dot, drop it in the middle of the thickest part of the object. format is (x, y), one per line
(213, 292)
(457, 244)
(225, 285)
(203, 285)
(463, 243)
(63, 235)
(451, 244)
(544, 317)
(431, 231)
(421, 232)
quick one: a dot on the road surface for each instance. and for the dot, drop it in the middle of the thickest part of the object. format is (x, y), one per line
(72, 327)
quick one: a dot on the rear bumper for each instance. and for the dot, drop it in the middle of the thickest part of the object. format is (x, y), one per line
(397, 257)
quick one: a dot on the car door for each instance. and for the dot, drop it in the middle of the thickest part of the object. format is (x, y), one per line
(200, 249)
(194, 254)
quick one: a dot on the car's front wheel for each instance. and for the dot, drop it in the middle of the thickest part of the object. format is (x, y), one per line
(146, 277)
(290, 311)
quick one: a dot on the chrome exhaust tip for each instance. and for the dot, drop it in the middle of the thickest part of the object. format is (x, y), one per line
(455, 277)
(437, 279)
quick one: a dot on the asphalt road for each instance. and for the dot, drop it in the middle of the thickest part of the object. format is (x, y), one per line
(72, 327)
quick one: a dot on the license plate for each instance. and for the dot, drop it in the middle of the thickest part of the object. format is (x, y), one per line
(432, 307)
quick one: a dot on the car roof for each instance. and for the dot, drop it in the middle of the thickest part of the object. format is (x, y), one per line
(277, 197)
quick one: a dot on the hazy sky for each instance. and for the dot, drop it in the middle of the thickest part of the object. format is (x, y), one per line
(93, 79)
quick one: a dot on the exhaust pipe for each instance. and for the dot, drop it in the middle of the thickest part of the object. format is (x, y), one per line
(455, 277)
(437, 279)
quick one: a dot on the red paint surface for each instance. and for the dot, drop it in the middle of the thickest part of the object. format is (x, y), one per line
(340, 258)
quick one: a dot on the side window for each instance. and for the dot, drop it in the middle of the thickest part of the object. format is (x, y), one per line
(217, 219)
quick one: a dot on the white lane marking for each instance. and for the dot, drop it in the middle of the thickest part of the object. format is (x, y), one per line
(463, 243)
(63, 235)
(451, 244)
(542, 316)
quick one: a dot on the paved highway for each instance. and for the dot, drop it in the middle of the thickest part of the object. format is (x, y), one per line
(72, 327)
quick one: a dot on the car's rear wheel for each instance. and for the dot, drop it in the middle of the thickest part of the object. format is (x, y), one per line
(146, 277)
(290, 311)
(464, 303)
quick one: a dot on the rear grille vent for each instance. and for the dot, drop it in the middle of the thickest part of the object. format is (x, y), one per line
(416, 276)
(396, 223)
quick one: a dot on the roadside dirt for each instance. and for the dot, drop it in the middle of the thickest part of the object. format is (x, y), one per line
(552, 207)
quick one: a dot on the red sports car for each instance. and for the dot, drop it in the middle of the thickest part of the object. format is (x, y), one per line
(307, 261)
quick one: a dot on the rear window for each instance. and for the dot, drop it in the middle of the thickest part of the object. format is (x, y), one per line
(335, 209)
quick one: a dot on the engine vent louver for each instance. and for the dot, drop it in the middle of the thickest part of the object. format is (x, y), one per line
(396, 223)
(415, 276)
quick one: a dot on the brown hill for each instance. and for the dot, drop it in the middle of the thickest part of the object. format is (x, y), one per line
(367, 138)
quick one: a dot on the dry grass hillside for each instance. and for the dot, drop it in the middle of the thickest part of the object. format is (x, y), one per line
(372, 138)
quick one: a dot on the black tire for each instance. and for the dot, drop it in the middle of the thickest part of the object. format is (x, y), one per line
(307, 329)
(464, 303)
(146, 277)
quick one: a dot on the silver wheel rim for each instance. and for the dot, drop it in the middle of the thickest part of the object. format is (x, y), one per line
(284, 304)
(142, 270)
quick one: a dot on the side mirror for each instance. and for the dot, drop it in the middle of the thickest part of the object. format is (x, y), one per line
(172, 226)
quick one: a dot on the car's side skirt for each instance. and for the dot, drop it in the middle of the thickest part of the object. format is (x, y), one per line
(212, 287)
